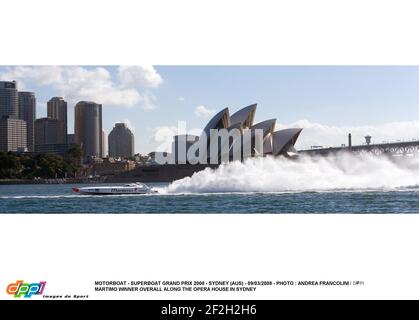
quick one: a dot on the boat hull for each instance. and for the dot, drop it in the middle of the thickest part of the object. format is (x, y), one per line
(113, 190)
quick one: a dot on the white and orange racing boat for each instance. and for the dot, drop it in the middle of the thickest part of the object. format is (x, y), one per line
(131, 188)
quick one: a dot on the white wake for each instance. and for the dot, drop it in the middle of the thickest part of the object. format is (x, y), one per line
(342, 172)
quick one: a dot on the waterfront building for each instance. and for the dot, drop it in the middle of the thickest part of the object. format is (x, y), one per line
(88, 128)
(244, 117)
(57, 109)
(156, 156)
(48, 137)
(27, 112)
(241, 134)
(9, 102)
(267, 128)
(181, 145)
(121, 141)
(110, 166)
(12, 134)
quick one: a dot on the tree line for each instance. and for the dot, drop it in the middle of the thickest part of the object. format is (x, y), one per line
(30, 166)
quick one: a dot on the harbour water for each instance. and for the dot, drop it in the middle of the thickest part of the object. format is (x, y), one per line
(60, 199)
(347, 184)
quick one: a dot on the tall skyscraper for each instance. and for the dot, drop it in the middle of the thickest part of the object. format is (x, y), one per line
(9, 103)
(12, 134)
(121, 141)
(57, 109)
(12, 129)
(45, 131)
(46, 138)
(27, 112)
(70, 138)
(104, 144)
(88, 128)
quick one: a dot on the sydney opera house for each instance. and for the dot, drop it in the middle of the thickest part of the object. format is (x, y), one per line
(234, 137)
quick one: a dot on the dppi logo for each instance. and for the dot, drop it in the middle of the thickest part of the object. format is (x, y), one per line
(26, 289)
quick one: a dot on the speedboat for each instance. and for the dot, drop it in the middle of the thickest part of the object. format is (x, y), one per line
(131, 188)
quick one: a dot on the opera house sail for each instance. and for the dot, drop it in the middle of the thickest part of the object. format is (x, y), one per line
(244, 116)
(229, 138)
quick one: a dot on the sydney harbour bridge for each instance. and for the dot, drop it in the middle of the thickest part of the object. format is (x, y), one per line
(400, 148)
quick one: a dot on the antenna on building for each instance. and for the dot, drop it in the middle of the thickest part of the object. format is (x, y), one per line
(368, 140)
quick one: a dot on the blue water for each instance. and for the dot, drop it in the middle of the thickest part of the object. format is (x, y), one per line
(60, 199)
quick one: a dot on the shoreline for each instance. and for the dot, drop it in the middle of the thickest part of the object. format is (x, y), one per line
(47, 181)
(18, 181)
(152, 173)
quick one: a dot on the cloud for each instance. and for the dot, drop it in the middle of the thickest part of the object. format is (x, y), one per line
(162, 137)
(74, 83)
(181, 99)
(43, 75)
(162, 133)
(317, 134)
(203, 112)
(143, 76)
(148, 102)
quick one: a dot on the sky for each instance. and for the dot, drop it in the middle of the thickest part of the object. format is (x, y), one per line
(328, 102)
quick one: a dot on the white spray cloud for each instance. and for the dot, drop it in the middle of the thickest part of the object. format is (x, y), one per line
(270, 174)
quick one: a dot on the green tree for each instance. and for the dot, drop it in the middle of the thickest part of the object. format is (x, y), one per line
(73, 159)
(10, 166)
(50, 166)
(29, 166)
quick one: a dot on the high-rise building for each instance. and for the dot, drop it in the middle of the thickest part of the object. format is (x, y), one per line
(12, 129)
(57, 109)
(121, 141)
(12, 134)
(9, 103)
(70, 138)
(46, 138)
(88, 128)
(27, 112)
(104, 144)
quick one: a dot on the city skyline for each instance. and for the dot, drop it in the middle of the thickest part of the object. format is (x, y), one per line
(326, 101)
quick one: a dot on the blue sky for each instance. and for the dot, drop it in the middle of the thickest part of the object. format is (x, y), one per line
(327, 100)
(332, 95)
